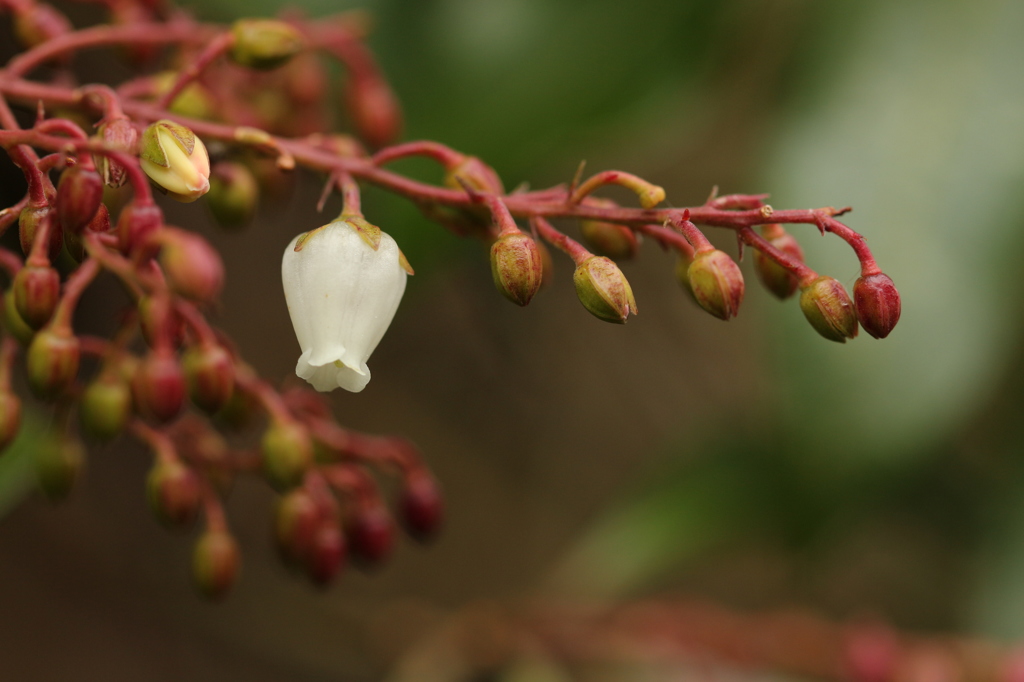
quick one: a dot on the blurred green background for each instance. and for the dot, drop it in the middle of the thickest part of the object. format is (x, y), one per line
(752, 462)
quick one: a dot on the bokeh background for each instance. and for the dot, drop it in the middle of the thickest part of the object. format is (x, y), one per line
(751, 463)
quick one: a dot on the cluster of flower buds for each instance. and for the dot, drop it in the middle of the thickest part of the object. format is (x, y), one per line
(223, 120)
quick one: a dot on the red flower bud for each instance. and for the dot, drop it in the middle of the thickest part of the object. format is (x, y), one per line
(371, 535)
(717, 283)
(59, 464)
(73, 241)
(828, 308)
(215, 563)
(118, 134)
(160, 322)
(421, 507)
(611, 240)
(159, 386)
(776, 278)
(105, 406)
(36, 293)
(233, 194)
(517, 267)
(10, 419)
(287, 453)
(52, 362)
(878, 304)
(295, 523)
(137, 224)
(193, 268)
(173, 492)
(13, 322)
(326, 553)
(79, 195)
(29, 222)
(374, 109)
(210, 373)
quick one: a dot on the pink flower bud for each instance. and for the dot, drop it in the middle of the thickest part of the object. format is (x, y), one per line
(52, 362)
(374, 109)
(287, 453)
(878, 304)
(421, 507)
(30, 221)
(603, 290)
(215, 562)
(117, 134)
(79, 195)
(233, 194)
(295, 523)
(59, 464)
(717, 283)
(326, 553)
(193, 268)
(173, 493)
(210, 373)
(36, 293)
(264, 44)
(136, 224)
(10, 418)
(13, 322)
(371, 535)
(159, 386)
(611, 240)
(777, 279)
(828, 308)
(517, 267)
(105, 406)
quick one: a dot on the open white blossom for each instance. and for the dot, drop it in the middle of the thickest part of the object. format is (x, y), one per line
(341, 294)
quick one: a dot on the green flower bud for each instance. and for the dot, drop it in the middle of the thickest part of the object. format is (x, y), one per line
(776, 278)
(13, 322)
(611, 240)
(828, 308)
(59, 465)
(106, 406)
(215, 563)
(476, 174)
(717, 283)
(233, 194)
(176, 160)
(603, 290)
(287, 453)
(52, 362)
(517, 267)
(295, 523)
(29, 222)
(194, 101)
(264, 43)
(193, 267)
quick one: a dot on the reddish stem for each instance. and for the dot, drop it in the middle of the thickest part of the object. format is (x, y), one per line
(571, 247)
(74, 287)
(443, 154)
(216, 47)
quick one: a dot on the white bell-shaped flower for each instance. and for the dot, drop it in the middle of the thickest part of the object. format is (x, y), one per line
(342, 294)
